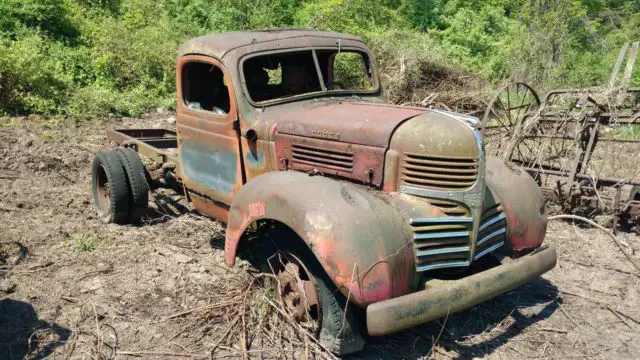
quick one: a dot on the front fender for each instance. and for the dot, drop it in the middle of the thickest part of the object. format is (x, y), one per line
(523, 204)
(361, 241)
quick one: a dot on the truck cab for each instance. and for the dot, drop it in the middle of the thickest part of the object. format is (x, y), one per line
(373, 217)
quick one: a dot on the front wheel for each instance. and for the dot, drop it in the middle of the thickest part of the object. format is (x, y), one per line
(312, 298)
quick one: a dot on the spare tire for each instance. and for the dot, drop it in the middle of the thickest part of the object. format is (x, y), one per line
(138, 185)
(110, 188)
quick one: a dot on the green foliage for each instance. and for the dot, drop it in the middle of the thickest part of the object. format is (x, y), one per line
(350, 72)
(84, 243)
(84, 58)
(49, 16)
(359, 17)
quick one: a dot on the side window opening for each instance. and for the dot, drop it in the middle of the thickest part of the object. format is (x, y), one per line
(350, 71)
(204, 88)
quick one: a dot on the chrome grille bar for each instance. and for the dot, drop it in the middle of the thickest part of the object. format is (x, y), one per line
(491, 221)
(441, 242)
(491, 236)
(488, 250)
(442, 251)
(492, 231)
(451, 220)
(438, 235)
(442, 265)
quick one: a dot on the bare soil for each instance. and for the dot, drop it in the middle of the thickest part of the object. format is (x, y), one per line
(73, 287)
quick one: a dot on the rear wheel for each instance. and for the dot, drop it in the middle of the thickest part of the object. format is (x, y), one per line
(110, 188)
(310, 296)
(136, 176)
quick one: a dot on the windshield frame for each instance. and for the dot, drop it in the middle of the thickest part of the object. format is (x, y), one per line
(323, 92)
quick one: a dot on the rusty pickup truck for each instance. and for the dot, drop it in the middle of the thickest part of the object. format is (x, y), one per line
(373, 217)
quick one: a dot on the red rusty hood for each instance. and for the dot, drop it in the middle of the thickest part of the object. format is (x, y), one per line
(364, 123)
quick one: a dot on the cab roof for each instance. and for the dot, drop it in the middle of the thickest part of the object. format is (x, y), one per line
(219, 44)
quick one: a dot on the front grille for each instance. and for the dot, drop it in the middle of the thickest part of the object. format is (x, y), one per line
(450, 208)
(330, 159)
(441, 242)
(492, 231)
(439, 173)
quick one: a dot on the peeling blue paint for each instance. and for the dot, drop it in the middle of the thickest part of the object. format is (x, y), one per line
(255, 160)
(212, 168)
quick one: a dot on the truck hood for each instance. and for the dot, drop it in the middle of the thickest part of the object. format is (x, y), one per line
(361, 123)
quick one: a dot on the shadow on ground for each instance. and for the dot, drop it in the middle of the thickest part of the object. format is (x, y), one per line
(525, 306)
(24, 336)
(167, 207)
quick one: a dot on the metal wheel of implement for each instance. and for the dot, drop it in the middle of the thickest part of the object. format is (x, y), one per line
(508, 109)
(297, 290)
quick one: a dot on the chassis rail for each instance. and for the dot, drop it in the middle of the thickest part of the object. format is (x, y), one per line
(159, 145)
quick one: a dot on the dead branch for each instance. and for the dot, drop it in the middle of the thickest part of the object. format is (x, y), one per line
(161, 353)
(601, 303)
(224, 336)
(187, 312)
(598, 226)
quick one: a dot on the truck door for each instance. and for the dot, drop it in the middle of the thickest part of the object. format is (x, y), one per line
(209, 146)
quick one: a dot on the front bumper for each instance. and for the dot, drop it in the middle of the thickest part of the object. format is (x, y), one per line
(406, 311)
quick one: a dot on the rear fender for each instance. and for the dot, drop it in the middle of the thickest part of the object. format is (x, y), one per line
(360, 240)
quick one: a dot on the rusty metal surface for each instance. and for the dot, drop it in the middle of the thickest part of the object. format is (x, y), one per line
(212, 168)
(156, 144)
(361, 241)
(522, 203)
(297, 288)
(346, 121)
(352, 161)
(403, 312)
(381, 194)
(448, 161)
(219, 44)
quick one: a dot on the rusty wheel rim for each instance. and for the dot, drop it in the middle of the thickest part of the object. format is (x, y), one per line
(297, 290)
(103, 198)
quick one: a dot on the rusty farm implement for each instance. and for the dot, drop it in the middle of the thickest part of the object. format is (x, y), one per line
(582, 146)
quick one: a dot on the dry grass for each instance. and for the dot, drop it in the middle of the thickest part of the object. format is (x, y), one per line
(419, 75)
(161, 290)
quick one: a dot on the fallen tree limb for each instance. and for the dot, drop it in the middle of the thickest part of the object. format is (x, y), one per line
(598, 226)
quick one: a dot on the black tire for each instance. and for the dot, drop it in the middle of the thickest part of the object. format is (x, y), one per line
(634, 194)
(110, 188)
(340, 339)
(136, 176)
(341, 323)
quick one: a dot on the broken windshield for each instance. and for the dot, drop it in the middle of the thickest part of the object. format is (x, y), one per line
(286, 74)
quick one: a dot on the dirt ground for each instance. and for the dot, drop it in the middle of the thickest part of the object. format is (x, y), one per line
(73, 287)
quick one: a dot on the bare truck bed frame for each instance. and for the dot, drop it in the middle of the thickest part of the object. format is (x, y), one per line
(159, 145)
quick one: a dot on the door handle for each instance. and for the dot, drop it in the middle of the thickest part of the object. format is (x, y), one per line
(251, 135)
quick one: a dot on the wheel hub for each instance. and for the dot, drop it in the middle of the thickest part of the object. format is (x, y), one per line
(296, 289)
(103, 200)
